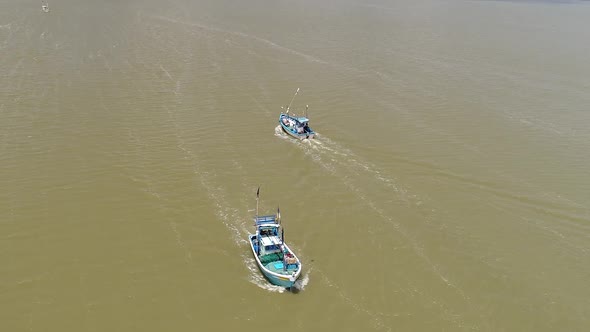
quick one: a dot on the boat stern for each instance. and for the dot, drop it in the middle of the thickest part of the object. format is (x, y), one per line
(284, 281)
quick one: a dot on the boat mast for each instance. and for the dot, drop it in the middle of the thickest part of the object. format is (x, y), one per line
(306, 107)
(283, 249)
(289, 107)
(282, 239)
(257, 196)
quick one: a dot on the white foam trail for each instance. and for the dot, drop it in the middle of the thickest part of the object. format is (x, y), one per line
(317, 141)
(375, 317)
(280, 133)
(265, 109)
(244, 35)
(385, 79)
(151, 189)
(225, 212)
(166, 72)
(333, 157)
(540, 124)
(303, 281)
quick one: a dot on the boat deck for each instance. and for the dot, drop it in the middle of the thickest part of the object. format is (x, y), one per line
(274, 262)
(296, 126)
(278, 267)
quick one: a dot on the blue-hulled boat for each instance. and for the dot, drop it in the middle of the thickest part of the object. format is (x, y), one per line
(296, 126)
(276, 260)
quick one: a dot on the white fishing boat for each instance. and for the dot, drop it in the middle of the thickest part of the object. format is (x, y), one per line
(277, 262)
(296, 126)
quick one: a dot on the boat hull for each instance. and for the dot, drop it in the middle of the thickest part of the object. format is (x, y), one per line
(278, 281)
(296, 135)
(286, 281)
(292, 131)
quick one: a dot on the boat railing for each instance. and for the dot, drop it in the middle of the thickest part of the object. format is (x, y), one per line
(270, 219)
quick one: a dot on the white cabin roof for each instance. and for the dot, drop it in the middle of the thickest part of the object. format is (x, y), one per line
(269, 225)
(270, 240)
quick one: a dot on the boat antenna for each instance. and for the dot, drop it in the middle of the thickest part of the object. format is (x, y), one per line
(288, 107)
(257, 196)
(279, 215)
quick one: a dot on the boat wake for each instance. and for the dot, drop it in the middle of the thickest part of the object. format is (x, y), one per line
(363, 178)
(337, 159)
(377, 318)
(301, 282)
(280, 133)
(225, 211)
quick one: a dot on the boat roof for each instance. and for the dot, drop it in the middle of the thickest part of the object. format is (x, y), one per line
(270, 240)
(270, 219)
(295, 117)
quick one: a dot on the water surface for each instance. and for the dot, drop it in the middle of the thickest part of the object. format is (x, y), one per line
(448, 188)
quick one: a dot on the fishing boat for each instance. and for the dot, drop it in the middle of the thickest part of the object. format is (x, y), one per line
(277, 262)
(296, 126)
(45, 7)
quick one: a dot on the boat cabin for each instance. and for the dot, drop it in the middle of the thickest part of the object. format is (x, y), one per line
(298, 125)
(270, 242)
(303, 120)
(267, 233)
